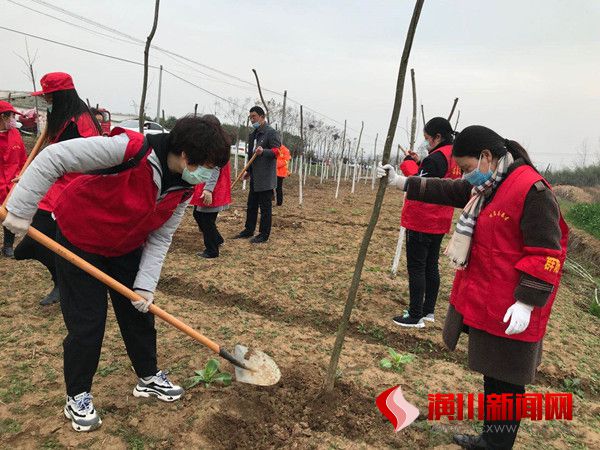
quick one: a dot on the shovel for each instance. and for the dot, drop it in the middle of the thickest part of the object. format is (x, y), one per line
(251, 366)
(243, 171)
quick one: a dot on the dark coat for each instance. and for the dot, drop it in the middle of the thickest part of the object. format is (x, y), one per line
(502, 358)
(263, 171)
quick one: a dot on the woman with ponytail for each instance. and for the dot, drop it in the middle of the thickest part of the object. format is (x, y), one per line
(509, 247)
(68, 118)
(426, 224)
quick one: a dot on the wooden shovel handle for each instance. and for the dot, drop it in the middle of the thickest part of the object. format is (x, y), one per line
(243, 170)
(36, 149)
(114, 284)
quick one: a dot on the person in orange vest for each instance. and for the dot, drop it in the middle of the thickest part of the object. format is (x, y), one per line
(283, 158)
(426, 224)
(12, 159)
(68, 118)
(120, 217)
(509, 246)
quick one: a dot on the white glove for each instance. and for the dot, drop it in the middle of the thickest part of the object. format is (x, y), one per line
(519, 314)
(17, 225)
(393, 178)
(143, 305)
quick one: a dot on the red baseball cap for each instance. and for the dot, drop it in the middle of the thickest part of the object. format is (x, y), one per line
(55, 81)
(7, 107)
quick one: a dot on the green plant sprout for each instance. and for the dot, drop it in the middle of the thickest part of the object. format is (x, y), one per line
(396, 361)
(209, 375)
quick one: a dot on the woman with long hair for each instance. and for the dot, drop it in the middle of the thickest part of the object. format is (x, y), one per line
(68, 118)
(509, 247)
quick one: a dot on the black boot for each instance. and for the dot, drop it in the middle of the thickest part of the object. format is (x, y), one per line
(52, 297)
(8, 252)
(470, 441)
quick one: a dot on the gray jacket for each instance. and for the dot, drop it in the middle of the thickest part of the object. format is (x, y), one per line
(84, 155)
(263, 171)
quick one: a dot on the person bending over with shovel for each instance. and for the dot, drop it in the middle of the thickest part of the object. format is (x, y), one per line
(120, 216)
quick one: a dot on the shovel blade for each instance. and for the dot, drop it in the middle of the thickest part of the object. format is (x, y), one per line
(263, 370)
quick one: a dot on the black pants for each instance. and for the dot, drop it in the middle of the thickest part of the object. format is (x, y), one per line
(9, 238)
(31, 249)
(422, 255)
(501, 434)
(280, 190)
(263, 201)
(84, 305)
(208, 227)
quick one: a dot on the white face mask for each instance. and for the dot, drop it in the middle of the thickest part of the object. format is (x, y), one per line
(13, 123)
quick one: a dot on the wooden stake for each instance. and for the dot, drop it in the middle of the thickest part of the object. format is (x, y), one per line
(364, 247)
(339, 171)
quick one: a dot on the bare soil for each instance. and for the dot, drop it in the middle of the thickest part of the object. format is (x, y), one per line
(284, 297)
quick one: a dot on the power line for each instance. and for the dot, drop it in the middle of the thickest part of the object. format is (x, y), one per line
(118, 58)
(168, 52)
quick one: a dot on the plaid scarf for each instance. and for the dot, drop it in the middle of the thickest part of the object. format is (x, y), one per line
(460, 244)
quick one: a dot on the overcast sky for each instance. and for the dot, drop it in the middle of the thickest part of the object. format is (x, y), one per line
(527, 69)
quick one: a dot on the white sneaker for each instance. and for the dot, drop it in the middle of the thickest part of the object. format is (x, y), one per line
(429, 317)
(158, 386)
(80, 410)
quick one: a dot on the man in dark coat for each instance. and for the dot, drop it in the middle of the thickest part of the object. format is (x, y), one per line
(265, 142)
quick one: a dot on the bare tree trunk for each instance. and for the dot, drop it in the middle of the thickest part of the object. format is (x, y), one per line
(261, 96)
(195, 109)
(423, 115)
(456, 124)
(159, 94)
(413, 125)
(364, 247)
(374, 163)
(283, 115)
(302, 157)
(339, 171)
(453, 108)
(146, 55)
(355, 172)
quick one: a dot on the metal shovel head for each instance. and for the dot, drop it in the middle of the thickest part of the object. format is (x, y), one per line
(263, 370)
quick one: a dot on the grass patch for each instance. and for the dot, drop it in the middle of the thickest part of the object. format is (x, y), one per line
(9, 426)
(587, 217)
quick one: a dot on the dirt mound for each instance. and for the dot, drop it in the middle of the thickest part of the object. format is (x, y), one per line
(573, 194)
(584, 249)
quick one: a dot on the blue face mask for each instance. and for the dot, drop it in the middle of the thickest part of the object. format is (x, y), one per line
(476, 177)
(255, 125)
(200, 175)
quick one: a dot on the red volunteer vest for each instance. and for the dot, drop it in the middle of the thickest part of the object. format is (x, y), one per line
(427, 217)
(111, 215)
(222, 192)
(86, 128)
(12, 159)
(484, 290)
